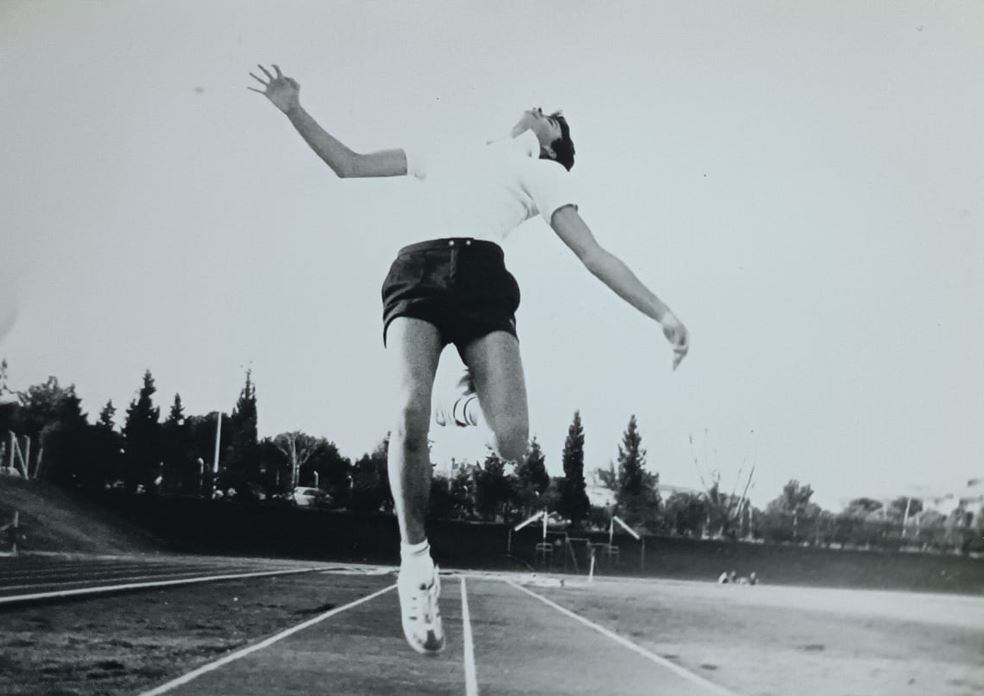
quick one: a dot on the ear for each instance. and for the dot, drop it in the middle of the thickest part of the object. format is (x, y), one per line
(548, 151)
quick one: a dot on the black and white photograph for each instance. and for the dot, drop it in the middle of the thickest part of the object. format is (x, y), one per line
(467, 348)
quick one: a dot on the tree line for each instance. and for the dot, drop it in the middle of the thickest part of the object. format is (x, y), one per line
(219, 455)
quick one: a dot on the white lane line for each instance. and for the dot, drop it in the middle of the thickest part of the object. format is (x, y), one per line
(624, 642)
(471, 681)
(107, 567)
(162, 577)
(143, 585)
(65, 569)
(164, 688)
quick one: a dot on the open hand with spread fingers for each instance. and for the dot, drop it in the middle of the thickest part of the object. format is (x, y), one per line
(678, 336)
(283, 91)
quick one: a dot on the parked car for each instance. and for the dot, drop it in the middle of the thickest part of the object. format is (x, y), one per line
(303, 496)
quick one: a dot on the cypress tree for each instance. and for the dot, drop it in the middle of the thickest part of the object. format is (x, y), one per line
(574, 503)
(637, 499)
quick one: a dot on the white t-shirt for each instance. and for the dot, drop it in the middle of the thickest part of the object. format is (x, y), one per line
(488, 191)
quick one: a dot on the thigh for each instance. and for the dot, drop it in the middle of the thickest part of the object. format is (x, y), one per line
(414, 349)
(497, 370)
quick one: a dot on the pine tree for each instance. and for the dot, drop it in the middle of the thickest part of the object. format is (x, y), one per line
(574, 503)
(106, 416)
(108, 443)
(241, 452)
(244, 413)
(532, 479)
(176, 415)
(632, 460)
(142, 431)
(637, 499)
(180, 470)
(67, 449)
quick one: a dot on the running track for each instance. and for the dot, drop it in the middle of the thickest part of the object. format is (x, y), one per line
(508, 638)
(525, 642)
(38, 578)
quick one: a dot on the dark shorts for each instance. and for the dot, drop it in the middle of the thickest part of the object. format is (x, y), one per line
(459, 285)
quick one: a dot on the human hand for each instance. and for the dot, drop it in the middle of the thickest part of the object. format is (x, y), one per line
(678, 336)
(283, 91)
(526, 121)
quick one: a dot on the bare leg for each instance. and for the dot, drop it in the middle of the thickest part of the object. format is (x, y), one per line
(497, 371)
(415, 349)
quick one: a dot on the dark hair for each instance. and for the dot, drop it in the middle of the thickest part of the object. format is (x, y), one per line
(563, 146)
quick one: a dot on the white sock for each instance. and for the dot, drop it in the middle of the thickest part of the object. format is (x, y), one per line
(416, 560)
(463, 410)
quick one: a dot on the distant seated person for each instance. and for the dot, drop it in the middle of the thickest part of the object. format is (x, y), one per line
(752, 579)
(726, 578)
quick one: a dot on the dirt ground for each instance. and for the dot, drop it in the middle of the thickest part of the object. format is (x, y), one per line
(774, 641)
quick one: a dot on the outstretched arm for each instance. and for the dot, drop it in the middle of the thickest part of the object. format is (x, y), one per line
(284, 93)
(608, 268)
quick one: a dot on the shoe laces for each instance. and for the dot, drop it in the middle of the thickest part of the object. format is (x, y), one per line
(423, 599)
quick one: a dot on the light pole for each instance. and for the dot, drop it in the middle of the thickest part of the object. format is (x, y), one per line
(215, 458)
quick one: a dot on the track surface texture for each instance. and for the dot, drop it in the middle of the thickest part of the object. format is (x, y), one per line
(335, 629)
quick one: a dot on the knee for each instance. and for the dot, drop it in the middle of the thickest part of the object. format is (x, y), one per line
(412, 425)
(512, 439)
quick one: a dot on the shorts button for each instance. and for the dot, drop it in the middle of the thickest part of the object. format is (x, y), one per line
(467, 242)
(450, 242)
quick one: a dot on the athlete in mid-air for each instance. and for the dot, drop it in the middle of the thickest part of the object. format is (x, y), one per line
(454, 288)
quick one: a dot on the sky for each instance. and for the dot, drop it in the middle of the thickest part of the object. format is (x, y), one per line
(801, 182)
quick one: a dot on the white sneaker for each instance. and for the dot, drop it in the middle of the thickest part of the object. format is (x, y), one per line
(420, 613)
(454, 409)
